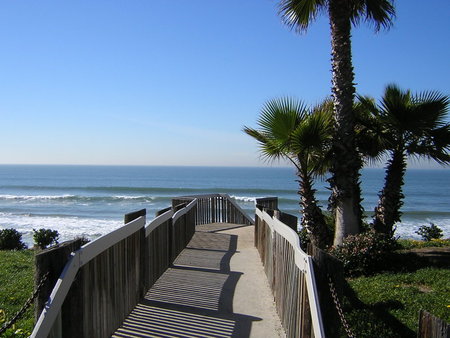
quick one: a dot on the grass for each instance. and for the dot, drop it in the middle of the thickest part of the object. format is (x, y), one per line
(16, 286)
(388, 304)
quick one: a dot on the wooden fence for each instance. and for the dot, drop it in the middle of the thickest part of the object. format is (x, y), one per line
(103, 280)
(291, 276)
(216, 208)
(432, 327)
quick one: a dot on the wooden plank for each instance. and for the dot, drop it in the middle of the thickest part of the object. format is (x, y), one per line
(432, 327)
(51, 261)
(51, 310)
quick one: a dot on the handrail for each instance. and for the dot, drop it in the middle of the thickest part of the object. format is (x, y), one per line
(78, 259)
(156, 222)
(183, 211)
(302, 261)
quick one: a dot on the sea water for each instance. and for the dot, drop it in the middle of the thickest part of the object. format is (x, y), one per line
(92, 200)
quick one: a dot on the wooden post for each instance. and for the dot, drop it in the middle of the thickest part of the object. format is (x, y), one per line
(288, 219)
(432, 327)
(133, 215)
(160, 212)
(324, 265)
(51, 260)
(143, 265)
(268, 202)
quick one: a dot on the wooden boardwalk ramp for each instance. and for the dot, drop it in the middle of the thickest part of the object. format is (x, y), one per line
(215, 288)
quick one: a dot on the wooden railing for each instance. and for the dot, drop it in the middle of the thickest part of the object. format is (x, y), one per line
(105, 279)
(109, 274)
(290, 273)
(216, 208)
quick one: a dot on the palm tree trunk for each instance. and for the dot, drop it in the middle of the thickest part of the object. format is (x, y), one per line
(313, 219)
(345, 161)
(387, 212)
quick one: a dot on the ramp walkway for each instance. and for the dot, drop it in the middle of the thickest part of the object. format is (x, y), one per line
(216, 287)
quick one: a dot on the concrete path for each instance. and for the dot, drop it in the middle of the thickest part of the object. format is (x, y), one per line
(216, 288)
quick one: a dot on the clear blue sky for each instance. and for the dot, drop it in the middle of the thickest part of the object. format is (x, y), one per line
(159, 82)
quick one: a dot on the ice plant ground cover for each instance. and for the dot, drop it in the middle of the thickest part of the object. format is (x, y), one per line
(388, 304)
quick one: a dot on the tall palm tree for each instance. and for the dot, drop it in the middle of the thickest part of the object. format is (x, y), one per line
(288, 130)
(409, 126)
(299, 14)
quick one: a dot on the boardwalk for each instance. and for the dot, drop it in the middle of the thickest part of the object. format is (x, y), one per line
(215, 288)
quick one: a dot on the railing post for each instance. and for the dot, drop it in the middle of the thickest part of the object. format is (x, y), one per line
(268, 202)
(143, 265)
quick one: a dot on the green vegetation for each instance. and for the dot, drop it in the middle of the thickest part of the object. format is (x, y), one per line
(290, 130)
(16, 286)
(388, 304)
(299, 15)
(365, 253)
(11, 239)
(406, 126)
(413, 244)
(45, 237)
(430, 232)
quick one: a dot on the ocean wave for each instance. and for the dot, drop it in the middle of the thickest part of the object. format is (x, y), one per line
(244, 199)
(36, 197)
(68, 227)
(79, 198)
(154, 190)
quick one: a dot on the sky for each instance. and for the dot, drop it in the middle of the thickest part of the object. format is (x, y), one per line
(157, 82)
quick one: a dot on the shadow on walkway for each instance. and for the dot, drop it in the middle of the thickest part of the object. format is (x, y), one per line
(193, 298)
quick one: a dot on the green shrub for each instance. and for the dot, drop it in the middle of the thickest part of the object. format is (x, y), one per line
(45, 237)
(365, 253)
(429, 232)
(304, 238)
(11, 239)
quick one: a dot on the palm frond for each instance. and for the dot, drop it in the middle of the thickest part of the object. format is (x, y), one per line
(431, 108)
(379, 13)
(280, 117)
(298, 14)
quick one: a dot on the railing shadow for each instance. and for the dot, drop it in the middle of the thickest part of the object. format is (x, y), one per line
(193, 298)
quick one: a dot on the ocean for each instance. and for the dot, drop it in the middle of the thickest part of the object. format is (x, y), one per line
(92, 200)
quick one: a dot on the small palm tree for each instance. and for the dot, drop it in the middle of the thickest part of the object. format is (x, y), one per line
(299, 14)
(288, 130)
(407, 126)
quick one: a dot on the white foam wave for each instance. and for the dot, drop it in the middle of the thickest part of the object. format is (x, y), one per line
(68, 227)
(35, 197)
(131, 197)
(245, 199)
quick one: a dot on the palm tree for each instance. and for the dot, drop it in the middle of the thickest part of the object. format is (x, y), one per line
(288, 130)
(299, 14)
(409, 126)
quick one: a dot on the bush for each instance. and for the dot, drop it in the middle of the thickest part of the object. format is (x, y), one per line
(429, 232)
(45, 237)
(304, 238)
(365, 253)
(11, 239)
